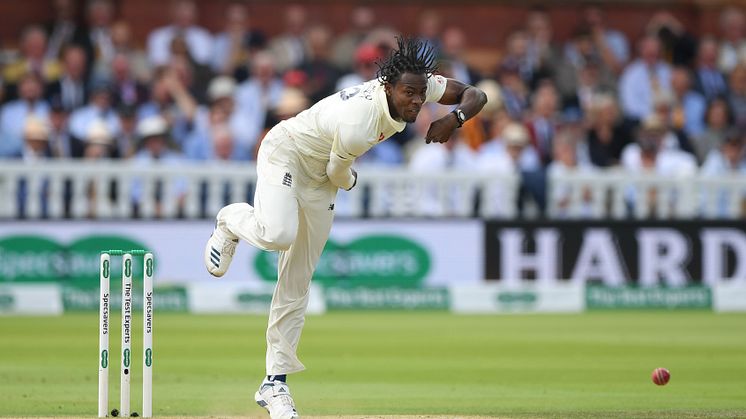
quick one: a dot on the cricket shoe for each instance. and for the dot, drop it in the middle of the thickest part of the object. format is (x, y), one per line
(275, 397)
(220, 249)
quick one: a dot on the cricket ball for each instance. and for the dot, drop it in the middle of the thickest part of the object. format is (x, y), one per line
(114, 412)
(661, 376)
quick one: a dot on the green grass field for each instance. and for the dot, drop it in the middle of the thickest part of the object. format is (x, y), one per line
(369, 363)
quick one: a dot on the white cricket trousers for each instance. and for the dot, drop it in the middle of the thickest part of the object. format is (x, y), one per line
(292, 214)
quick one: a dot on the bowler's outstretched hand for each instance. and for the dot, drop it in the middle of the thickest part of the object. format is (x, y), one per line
(442, 129)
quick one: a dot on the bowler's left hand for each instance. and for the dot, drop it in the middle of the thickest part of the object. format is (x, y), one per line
(442, 129)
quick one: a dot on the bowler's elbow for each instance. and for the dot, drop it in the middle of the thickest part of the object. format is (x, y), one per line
(481, 97)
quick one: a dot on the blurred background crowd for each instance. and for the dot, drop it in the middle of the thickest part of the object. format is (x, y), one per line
(667, 100)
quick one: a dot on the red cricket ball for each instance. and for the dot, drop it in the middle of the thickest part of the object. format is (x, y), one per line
(661, 376)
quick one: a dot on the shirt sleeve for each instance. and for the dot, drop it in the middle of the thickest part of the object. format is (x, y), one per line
(436, 86)
(351, 141)
(349, 144)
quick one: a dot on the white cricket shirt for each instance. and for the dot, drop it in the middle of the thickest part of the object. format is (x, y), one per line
(352, 121)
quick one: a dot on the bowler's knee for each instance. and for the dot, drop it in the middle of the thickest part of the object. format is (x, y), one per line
(281, 238)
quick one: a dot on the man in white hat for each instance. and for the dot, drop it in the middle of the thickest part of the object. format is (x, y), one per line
(36, 139)
(99, 141)
(155, 149)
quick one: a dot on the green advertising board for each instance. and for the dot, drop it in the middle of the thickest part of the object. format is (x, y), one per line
(35, 258)
(370, 261)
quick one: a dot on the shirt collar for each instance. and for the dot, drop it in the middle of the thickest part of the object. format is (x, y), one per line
(384, 105)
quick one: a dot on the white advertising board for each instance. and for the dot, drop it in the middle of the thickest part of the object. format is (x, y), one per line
(526, 298)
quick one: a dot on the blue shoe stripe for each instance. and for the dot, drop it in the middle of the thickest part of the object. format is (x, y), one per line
(215, 252)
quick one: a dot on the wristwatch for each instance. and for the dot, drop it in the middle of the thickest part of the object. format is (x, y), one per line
(460, 117)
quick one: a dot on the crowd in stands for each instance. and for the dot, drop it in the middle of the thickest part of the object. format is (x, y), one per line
(667, 101)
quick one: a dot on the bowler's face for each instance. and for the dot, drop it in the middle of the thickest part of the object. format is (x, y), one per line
(406, 96)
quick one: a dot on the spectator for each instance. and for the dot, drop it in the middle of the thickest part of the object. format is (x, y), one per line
(689, 106)
(729, 159)
(126, 89)
(678, 46)
(732, 41)
(258, 94)
(454, 49)
(737, 96)
(71, 88)
(517, 58)
(192, 75)
(156, 148)
(650, 153)
(541, 51)
(429, 26)
(63, 29)
(170, 98)
(183, 25)
(565, 161)
(35, 140)
(59, 135)
(582, 73)
(322, 74)
(509, 153)
(643, 79)
(98, 43)
(289, 48)
(606, 135)
(610, 44)
(361, 22)
(477, 128)
(126, 142)
(292, 102)
(121, 39)
(232, 48)
(717, 121)
(542, 123)
(514, 90)
(365, 67)
(384, 38)
(455, 156)
(35, 150)
(33, 44)
(13, 115)
(99, 143)
(99, 108)
(709, 81)
(663, 105)
(220, 115)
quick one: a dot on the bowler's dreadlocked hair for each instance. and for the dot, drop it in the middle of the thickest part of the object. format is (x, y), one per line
(410, 56)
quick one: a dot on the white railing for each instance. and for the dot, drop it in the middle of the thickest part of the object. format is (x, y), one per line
(121, 189)
(613, 193)
(117, 189)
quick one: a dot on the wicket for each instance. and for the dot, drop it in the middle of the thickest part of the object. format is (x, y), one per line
(104, 329)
